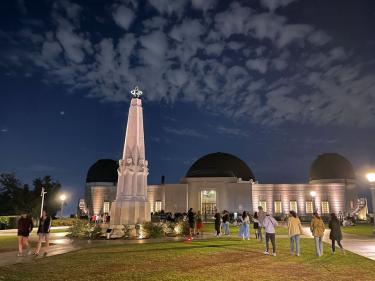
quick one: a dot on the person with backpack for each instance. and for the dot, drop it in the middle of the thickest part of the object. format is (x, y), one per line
(317, 229)
(269, 224)
(335, 234)
(294, 231)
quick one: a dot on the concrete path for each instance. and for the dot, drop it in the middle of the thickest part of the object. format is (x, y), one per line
(361, 245)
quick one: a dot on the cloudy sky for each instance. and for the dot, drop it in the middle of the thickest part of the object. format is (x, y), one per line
(275, 82)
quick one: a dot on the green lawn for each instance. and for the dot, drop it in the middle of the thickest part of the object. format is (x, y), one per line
(210, 228)
(213, 259)
(360, 229)
(10, 243)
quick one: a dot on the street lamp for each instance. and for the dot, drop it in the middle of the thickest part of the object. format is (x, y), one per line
(371, 178)
(313, 194)
(62, 199)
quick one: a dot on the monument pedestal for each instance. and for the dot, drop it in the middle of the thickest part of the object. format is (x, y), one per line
(130, 212)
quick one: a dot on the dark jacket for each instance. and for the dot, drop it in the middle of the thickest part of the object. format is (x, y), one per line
(44, 225)
(25, 226)
(217, 219)
(225, 218)
(335, 227)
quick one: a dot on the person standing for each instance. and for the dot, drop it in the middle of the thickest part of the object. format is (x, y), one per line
(244, 229)
(335, 234)
(261, 217)
(256, 225)
(24, 227)
(225, 219)
(191, 221)
(317, 229)
(199, 223)
(294, 231)
(43, 232)
(269, 224)
(217, 223)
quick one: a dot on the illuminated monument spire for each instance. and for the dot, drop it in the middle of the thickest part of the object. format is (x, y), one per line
(131, 205)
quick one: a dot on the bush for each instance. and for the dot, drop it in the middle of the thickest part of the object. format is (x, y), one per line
(79, 229)
(127, 231)
(8, 221)
(63, 222)
(152, 230)
(94, 231)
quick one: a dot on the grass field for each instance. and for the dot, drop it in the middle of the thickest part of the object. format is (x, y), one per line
(360, 229)
(210, 228)
(214, 259)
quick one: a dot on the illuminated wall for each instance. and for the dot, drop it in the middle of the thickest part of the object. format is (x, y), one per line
(97, 193)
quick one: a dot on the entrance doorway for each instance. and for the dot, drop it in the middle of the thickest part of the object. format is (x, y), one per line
(208, 202)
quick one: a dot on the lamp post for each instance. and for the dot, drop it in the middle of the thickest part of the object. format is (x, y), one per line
(371, 178)
(42, 195)
(313, 194)
(62, 199)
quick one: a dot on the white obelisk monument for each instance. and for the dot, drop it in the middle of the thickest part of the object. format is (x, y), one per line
(131, 206)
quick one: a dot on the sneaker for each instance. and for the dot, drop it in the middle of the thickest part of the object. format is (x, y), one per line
(297, 255)
(19, 255)
(266, 253)
(274, 254)
(36, 254)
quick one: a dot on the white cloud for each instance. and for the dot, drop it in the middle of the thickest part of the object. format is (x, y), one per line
(169, 7)
(187, 132)
(123, 16)
(203, 5)
(272, 5)
(258, 64)
(319, 38)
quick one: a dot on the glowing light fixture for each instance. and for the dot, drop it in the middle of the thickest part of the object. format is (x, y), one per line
(370, 177)
(313, 193)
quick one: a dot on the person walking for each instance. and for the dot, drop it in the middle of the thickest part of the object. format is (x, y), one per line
(256, 225)
(244, 229)
(261, 217)
(24, 227)
(199, 223)
(191, 221)
(43, 232)
(217, 223)
(225, 220)
(317, 229)
(294, 231)
(269, 224)
(335, 234)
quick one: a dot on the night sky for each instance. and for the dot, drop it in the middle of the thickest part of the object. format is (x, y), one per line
(274, 82)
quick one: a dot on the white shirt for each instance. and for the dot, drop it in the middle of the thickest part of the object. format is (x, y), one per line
(269, 223)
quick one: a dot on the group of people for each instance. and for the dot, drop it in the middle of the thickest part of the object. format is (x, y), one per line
(25, 227)
(263, 221)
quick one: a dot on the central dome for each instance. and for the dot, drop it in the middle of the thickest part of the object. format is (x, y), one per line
(220, 165)
(103, 170)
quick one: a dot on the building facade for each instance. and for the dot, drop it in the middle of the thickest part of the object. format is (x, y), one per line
(224, 182)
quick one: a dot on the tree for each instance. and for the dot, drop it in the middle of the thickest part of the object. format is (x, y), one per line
(16, 198)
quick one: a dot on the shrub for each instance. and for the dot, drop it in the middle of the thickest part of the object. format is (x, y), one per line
(94, 231)
(79, 229)
(64, 222)
(127, 231)
(8, 221)
(152, 230)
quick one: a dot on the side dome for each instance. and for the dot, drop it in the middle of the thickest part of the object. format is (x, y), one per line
(331, 166)
(103, 170)
(220, 165)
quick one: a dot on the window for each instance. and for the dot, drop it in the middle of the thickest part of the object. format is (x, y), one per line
(278, 209)
(309, 207)
(263, 204)
(325, 207)
(157, 206)
(293, 206)
(106, 208)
